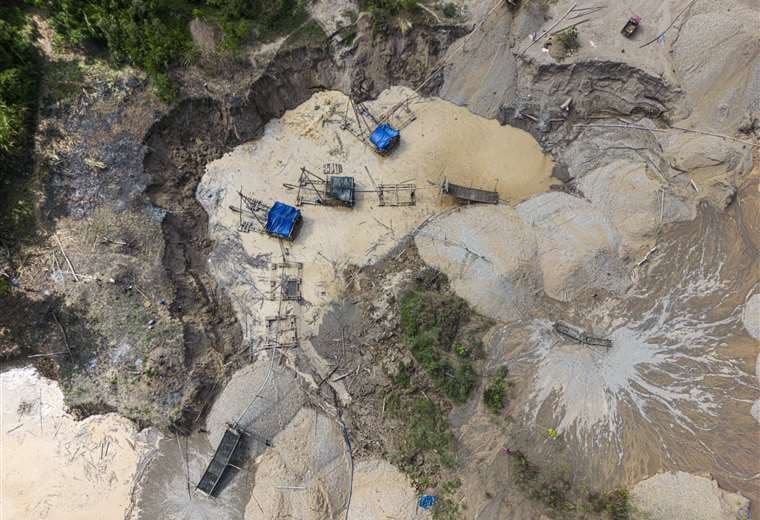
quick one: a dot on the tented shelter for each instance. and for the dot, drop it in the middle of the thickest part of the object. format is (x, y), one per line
(385, 138)
(282, 221)
(341, 188)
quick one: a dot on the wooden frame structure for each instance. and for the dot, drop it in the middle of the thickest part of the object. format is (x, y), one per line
(403, 194)
(286, 281)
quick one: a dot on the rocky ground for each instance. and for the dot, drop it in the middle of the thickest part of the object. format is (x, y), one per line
(140, 297)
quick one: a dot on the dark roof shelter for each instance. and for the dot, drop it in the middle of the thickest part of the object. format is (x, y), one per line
(283, 220)
(385, 138)
(341, 189)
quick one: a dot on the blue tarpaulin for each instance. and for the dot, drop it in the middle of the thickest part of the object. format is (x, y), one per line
(427, 501)
(282, 220)
(385, 137)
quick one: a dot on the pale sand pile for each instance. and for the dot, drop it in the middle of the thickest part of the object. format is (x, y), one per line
(630, 200)
(499, 259)
(489, 255)
(751, 321)
(382, 491)
(305, 474)
(54, 467)
(667, 496)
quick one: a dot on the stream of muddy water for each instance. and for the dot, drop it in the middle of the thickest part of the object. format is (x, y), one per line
(676, 388)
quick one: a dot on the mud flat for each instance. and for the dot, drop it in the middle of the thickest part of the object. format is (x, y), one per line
(55, 467)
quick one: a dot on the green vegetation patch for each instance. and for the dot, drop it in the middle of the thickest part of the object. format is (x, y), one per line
(554, 489)
(494, 395)
(384, 11)
(431, 322)
(427, 430)
(19, 84)
(154, 35)
(569, 39)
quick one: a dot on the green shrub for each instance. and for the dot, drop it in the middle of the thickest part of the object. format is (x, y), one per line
(427, 430)
(403, 377)
(383, 11)
(554, 490)
(569, 39)
(450, 10)
(494, 393)
(154, 34)
(431, 321)
(19, 84)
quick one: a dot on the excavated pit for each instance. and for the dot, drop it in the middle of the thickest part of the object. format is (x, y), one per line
(562, 255)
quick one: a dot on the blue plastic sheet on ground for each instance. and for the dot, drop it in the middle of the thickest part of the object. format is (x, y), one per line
(282, 220)
(427, 501)
(384, 137)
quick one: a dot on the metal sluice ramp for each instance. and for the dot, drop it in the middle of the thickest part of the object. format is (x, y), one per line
(220, 462)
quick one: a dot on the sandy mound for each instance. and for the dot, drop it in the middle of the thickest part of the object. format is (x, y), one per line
(682, 495)
(488, 254)
(56, 467)
(305, 474)
(630, 199)
(717, 60)
(713, 164)
(499, 259)
(382, 491)
(279, 399)
(577, 245)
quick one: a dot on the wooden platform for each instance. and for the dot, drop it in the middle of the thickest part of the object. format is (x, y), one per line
(219, 462)
(470, 194)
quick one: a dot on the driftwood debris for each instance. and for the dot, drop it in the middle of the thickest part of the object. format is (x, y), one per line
(60, 246)
(650, 42)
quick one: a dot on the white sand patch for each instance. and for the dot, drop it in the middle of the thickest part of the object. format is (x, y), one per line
(500, 259)
(666, 496)
(54, 467)
(577, 245)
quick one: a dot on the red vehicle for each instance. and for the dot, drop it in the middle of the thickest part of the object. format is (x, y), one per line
(630, 27)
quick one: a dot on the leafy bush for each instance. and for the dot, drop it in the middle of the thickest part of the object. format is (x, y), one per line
(555, 490)
(431, 321)
(569, 39)
(450, 10)
(154, 34)
(494, 394)
(19, 82)
(383, 11)
(427, 431)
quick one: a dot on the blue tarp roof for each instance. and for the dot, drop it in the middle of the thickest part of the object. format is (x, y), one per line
(282, 220)
(384, 137)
